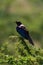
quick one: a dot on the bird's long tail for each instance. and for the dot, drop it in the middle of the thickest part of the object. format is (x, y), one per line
(30, 40)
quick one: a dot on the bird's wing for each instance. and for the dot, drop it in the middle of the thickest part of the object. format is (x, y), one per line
(30, 39)
(24, 28)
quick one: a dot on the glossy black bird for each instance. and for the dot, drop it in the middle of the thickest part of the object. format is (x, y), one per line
(21, 29)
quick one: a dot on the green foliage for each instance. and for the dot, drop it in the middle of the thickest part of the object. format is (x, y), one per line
(24, 54)
(27, 60)
(15, 51)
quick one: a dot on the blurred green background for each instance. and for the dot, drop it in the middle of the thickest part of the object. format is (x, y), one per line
(29, 12)
(13, 49)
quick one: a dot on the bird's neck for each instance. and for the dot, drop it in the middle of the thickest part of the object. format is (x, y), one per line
(20, 25)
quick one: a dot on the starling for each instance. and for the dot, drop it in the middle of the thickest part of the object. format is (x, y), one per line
(21, 29)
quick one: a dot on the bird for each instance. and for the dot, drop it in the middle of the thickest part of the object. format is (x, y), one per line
(21, 29)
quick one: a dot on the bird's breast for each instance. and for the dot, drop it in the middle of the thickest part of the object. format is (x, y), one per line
(22, 32)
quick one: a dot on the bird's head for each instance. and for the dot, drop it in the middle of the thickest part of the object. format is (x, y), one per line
(18, 23)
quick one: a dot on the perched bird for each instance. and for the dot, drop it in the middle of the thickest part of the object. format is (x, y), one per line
(21, 29)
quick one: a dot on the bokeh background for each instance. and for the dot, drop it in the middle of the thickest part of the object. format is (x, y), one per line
(13, 49)
(29, 12)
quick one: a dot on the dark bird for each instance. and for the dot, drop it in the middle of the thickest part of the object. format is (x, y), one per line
(21, 29)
